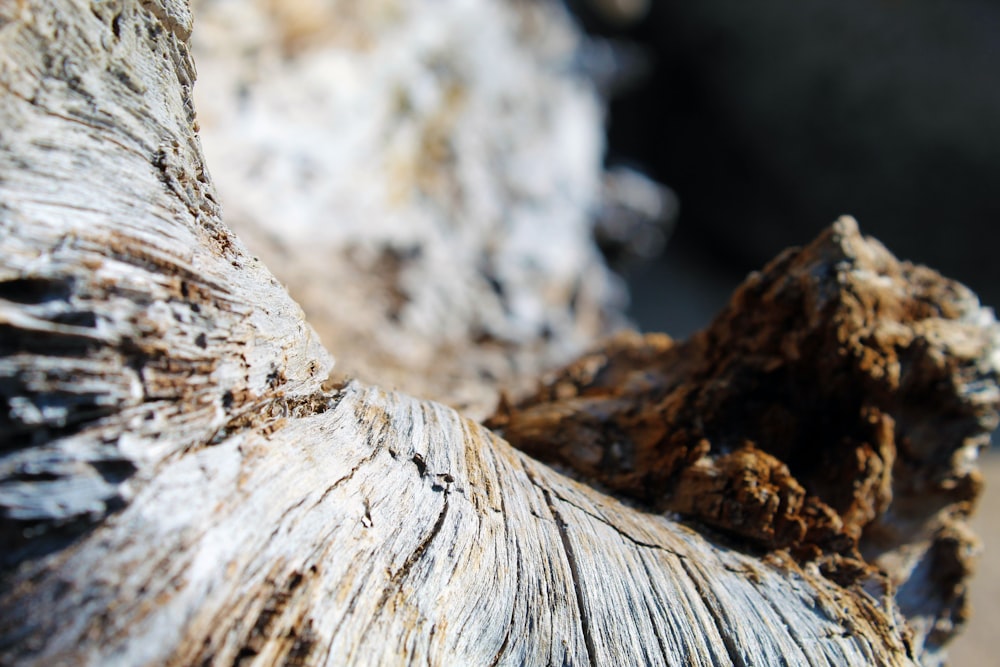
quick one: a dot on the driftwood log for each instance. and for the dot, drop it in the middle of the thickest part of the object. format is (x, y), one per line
(181, 481)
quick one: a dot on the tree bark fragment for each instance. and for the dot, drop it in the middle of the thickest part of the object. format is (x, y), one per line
(835, 408)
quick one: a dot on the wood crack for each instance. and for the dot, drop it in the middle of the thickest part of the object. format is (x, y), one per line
(346, 478)
(279, 524)
(622, 533)
(711, 604)
(105, 136)
(412, 559)
(396, 579)
(574, 574)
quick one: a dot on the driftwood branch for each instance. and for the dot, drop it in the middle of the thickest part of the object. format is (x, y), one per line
(181, 483)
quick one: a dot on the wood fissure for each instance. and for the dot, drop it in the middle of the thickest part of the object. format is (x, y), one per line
(712, 604)
(576, 580)
(628, 537)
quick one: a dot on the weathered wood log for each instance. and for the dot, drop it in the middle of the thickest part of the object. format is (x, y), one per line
(180, 483)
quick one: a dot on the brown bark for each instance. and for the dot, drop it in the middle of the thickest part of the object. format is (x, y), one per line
(832, 409)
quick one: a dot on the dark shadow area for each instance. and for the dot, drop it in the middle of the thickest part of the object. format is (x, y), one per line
(771, 119)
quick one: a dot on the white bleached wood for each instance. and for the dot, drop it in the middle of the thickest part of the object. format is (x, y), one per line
(387, 530)
(132, 321)
(449, 151)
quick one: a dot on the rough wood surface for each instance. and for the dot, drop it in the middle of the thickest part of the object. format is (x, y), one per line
(181, 484)
(391, 531)
(836, 407)
(133, 326)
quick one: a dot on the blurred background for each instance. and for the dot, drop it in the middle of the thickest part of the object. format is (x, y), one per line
(770, 119)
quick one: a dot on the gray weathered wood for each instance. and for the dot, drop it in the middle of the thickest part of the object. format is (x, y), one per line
(449, 152)
(385, 530)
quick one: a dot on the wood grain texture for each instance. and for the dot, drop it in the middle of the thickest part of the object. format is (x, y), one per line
(133, 325)
(387, 530)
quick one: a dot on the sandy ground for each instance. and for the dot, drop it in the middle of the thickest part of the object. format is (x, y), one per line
(977, 647)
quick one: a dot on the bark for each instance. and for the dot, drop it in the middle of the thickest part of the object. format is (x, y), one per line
(834, 408)
(181, 483)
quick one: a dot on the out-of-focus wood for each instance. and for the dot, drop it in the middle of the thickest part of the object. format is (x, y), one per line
(423, 176)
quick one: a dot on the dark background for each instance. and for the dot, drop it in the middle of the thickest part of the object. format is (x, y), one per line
(769, 119)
